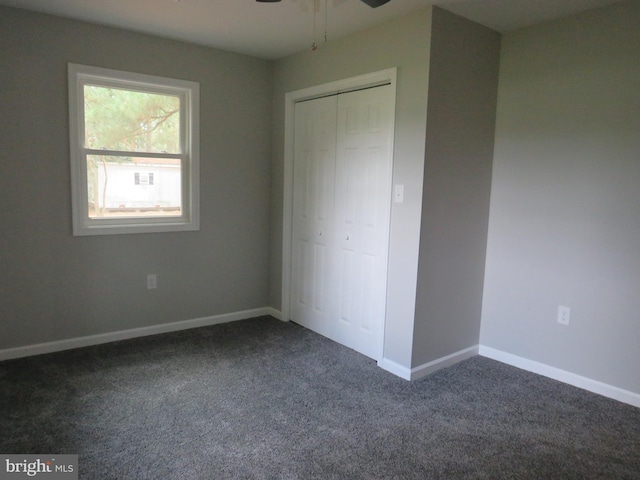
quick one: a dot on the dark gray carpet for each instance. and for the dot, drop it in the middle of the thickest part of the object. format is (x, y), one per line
(265, 399)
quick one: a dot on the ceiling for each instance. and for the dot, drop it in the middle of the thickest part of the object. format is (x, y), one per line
(275, 30)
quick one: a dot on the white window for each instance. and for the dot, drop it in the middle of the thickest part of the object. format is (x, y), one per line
(126, 125)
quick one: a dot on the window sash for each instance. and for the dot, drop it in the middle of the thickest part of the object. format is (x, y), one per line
(188, 92)
(184, 98)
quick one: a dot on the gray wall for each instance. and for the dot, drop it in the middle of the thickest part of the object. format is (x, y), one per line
(463, 85)
(402, 43)
(565, 205)
(564, 224)
(55, 286)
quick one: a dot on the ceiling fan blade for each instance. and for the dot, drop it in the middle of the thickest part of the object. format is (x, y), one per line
(375, 3)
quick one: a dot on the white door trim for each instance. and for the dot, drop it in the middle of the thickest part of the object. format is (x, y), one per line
(388, 76)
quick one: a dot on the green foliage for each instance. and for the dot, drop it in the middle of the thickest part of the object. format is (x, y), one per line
(117, 119)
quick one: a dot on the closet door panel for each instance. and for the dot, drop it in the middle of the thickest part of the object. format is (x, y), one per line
(341, 210)
(313, 208)
(362, 211)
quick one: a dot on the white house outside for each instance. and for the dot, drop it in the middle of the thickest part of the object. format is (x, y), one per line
(149, 185)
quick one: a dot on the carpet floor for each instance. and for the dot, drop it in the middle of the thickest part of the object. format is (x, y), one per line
(263, 399)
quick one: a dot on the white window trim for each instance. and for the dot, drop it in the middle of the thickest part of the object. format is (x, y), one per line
(189, 92)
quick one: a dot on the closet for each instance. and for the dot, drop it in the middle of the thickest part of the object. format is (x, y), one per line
(341, 209)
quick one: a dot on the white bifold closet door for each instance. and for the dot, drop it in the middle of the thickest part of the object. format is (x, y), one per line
(341, 210)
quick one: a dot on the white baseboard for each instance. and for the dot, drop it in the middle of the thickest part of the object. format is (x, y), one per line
(277, 314)
(90, 340)
(395, 368)
(585, 383)
(443, 362)
(433, 366)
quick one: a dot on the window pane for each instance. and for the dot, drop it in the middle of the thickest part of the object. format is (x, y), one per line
(133, 187)
(117, 119)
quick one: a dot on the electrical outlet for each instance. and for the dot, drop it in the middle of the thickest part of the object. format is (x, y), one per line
(564, 315)
(152, 281)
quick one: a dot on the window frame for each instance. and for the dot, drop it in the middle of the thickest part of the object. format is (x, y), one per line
(189, 94)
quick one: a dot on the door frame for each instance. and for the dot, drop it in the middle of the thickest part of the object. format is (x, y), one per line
(381, 77)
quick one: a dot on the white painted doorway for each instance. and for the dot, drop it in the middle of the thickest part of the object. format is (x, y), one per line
(342, 162)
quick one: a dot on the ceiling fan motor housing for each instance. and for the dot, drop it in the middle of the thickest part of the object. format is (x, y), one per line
(375, 3)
